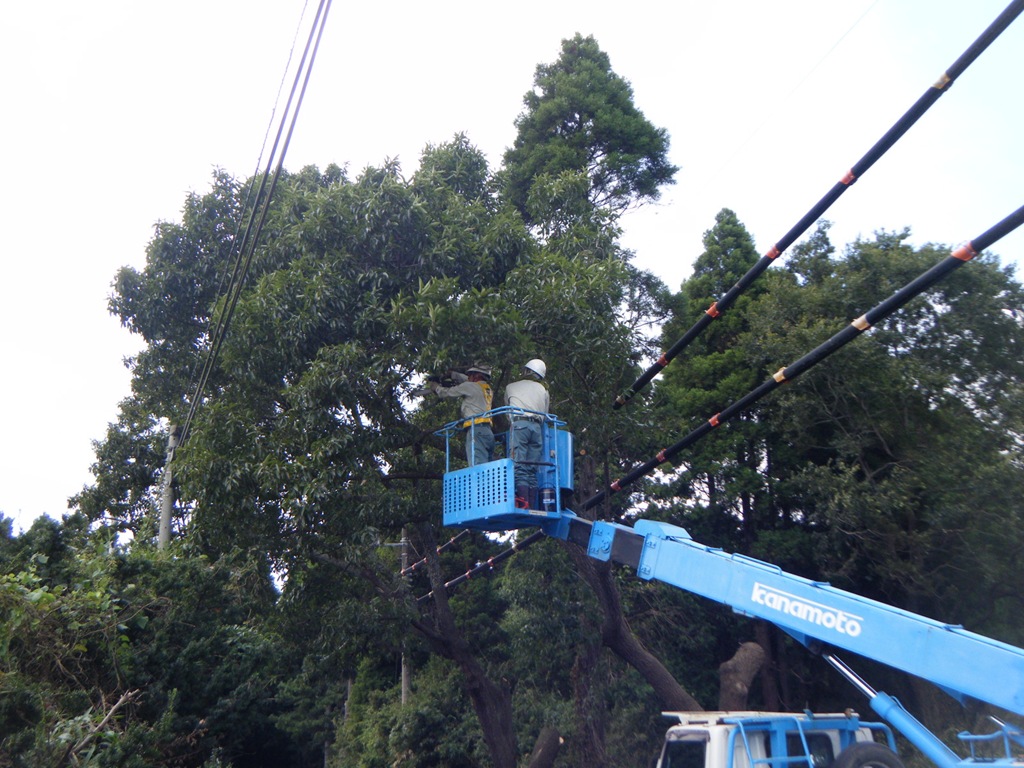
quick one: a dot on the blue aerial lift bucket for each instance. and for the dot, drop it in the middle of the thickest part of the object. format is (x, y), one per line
(482, 497)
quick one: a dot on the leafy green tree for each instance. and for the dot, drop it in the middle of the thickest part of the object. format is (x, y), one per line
(308, 448)
(909, 445)
(127, 471)
(907, 437)
(580, 117)
(723, 473)
(309, 453)
(883, 469)
(169, 305)
(723, 488)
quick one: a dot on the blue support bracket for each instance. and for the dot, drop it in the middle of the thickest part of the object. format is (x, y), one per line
(602, 539)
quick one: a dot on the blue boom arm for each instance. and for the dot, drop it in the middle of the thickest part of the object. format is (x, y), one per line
(819, 616)
(822, 618)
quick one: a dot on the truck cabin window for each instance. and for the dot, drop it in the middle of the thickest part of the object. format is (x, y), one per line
(685, 753)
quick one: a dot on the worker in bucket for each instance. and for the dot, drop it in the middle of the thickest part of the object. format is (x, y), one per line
(474, 390)
(525, 441)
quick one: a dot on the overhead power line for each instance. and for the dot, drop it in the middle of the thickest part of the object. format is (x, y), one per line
(261, 206)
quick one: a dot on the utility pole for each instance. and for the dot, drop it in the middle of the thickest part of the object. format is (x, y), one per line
(406, 687)
(403, 546)
(167, 493)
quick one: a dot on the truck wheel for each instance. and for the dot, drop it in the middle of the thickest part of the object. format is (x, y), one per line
(867, 754)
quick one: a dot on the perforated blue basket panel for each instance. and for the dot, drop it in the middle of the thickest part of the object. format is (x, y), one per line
(477, 493)
(483, 498)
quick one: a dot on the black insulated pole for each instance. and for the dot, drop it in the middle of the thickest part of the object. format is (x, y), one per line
(918, 286)
(941, 86)
(956, 259)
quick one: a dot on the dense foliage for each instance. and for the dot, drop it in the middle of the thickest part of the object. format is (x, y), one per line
(890, 469)
(112, 656)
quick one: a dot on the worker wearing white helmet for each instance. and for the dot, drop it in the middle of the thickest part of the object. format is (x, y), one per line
(531, 397)
(474, 390)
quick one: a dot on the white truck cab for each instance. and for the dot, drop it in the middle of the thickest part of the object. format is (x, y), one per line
(768, 740)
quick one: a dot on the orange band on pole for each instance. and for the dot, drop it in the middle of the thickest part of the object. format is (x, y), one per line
(780, 375)
(713, 310)
(849, 178)
(663, 361)
(615, 486)
(713, 421)
(773, 252)
(965, 252)
(942, 82)
(861, 323)
(661, 456)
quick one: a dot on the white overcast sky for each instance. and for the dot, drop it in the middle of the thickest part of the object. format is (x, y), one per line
(114, 110)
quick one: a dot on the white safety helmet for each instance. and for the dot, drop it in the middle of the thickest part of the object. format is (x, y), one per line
(483, 370)
(537, 366)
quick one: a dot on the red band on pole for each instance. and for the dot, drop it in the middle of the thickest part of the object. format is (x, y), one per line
(713, 310)
(713, 421)
(661, 456)
(849, 178)
(615, 487)
(965, 252)
(663, 361)
(773, 252)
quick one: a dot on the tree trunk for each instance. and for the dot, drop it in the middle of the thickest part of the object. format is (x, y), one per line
(616, 634)
(736, 675)
(492, 704)
(546, 749)
(773, 700)
(618, 637)
(589, 709)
